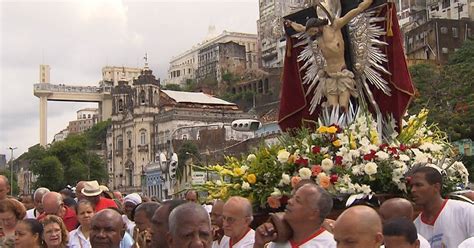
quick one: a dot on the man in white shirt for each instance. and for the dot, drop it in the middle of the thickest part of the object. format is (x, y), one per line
(399, 208)
(358, 227)
(237, 215)
(37, 198)
(305, 213)
(217, 222)
(189, 226)
(443, 222)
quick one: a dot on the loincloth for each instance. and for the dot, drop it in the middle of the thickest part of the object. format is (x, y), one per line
(338, 82)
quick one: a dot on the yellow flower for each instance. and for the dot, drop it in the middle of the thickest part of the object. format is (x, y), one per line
(352, 142)
(218, 168)
(238, 171)
(224, 192)
(327, 155)
(337, 143)
(291, 159)
(322, 129)
(251, 178)
(331, 129)
(423, 113)
(224, 172)
(374, 137)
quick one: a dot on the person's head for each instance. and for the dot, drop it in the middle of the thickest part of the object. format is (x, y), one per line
(79, 187)
(53, 204)
(4, 187)
(310, 204)
(11, 211)
(55, 233)
(143, 214)
(191, 196)
(27, 201)
(400, 233)
(395, 208)
(237, 216)
(426, 185)
(28, 233)
(38, 198)
(107, 230)
(314, 26)
(92, 191)
(66, 193)
(189, 227)
(85, 212)
(216, 213)
(130, 202)
(358, 227)
(160, 226)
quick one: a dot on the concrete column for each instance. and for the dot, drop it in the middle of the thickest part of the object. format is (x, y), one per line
(43, 121)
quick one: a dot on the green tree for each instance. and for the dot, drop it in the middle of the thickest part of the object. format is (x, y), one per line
(188, 150)
(15, 190)
(50, 173)
(172, 87)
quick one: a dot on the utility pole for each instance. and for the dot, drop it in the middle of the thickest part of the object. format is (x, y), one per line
(11, 168)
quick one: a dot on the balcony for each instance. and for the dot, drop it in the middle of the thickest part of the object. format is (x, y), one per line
(143, 148)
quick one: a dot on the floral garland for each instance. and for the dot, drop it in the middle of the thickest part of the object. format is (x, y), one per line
(344, 161)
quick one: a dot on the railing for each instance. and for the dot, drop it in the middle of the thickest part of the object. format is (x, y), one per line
(72, 89)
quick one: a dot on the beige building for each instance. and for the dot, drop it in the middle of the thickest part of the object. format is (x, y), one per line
(86, 118)
(117, 73)
(44, 74)
(184, 66)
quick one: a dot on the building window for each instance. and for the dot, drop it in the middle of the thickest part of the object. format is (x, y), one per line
(142, 97)
(129, 137)
(88, 116)
(445, 4)
(143, 137)
(119, 143)
(455, 32)
(120, 105)
(444, 30)
(444, 50)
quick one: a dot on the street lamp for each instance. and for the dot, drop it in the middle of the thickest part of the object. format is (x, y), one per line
(11, 168)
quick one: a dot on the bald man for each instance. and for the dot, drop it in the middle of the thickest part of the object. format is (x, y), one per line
(217, 222)
(236, 218)
(305, 213)
(358, 227)
(53, 204)
(400, 208)
(107, 229)
(189, 227)
(4, 187)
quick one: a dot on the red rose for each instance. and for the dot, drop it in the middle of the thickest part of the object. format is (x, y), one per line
(403, 147)
(315, 170)
(316, 149)
(334, 178)
(370, 155)
(301, 161)
(338, 160)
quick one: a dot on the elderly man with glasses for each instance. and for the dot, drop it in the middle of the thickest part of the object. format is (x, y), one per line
(53, 204)
(237, 216)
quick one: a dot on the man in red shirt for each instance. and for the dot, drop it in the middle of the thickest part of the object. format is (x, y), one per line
(92, 192)
(53, 204)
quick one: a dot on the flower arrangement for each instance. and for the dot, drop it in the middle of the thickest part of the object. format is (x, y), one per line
(344, 161)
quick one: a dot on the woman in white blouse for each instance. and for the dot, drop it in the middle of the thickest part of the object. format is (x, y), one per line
(79, 238)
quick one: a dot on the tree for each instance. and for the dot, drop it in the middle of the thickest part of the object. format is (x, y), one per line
(172, 87)
(15, 190)
(50, 173)
(188, 150)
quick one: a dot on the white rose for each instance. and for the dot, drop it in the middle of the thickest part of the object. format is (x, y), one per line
(382, 155)
(327, 164)
(365, 189)
(356, 170)
(283, 156)
(404, 157)
(276, 192)
(285, 178)
(305, 173)
(251, 157)
(218, 183)
(244, 168)
(370, 168)
(245, 186)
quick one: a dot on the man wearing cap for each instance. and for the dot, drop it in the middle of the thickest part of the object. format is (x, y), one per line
(443, 222)
(129, 203)
(92, 192)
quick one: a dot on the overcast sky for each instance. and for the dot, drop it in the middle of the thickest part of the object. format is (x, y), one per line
(78, 38)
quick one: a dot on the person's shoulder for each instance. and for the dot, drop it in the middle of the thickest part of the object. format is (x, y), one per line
(457, 205)
(467, 243)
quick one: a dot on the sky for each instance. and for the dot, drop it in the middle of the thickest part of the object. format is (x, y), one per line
(77, 38)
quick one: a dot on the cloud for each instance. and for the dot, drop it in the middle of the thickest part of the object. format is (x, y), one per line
(78, 38)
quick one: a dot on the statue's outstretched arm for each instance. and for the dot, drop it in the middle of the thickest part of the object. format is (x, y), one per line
(340, 22)
(296, 26)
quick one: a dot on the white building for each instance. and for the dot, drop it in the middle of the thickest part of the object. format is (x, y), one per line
(451, 9)
(117, 73)
(86, 118)
(62, 135)
(184, 66)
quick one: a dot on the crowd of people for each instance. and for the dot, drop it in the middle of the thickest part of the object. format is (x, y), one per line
(93, 216)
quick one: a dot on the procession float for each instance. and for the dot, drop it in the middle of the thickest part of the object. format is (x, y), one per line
(344, 99)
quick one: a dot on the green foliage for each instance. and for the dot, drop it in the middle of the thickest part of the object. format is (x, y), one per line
(246, 96)
(448, 92)
(71, 160)
(175, 87)
(188, 150)
(468, 161)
